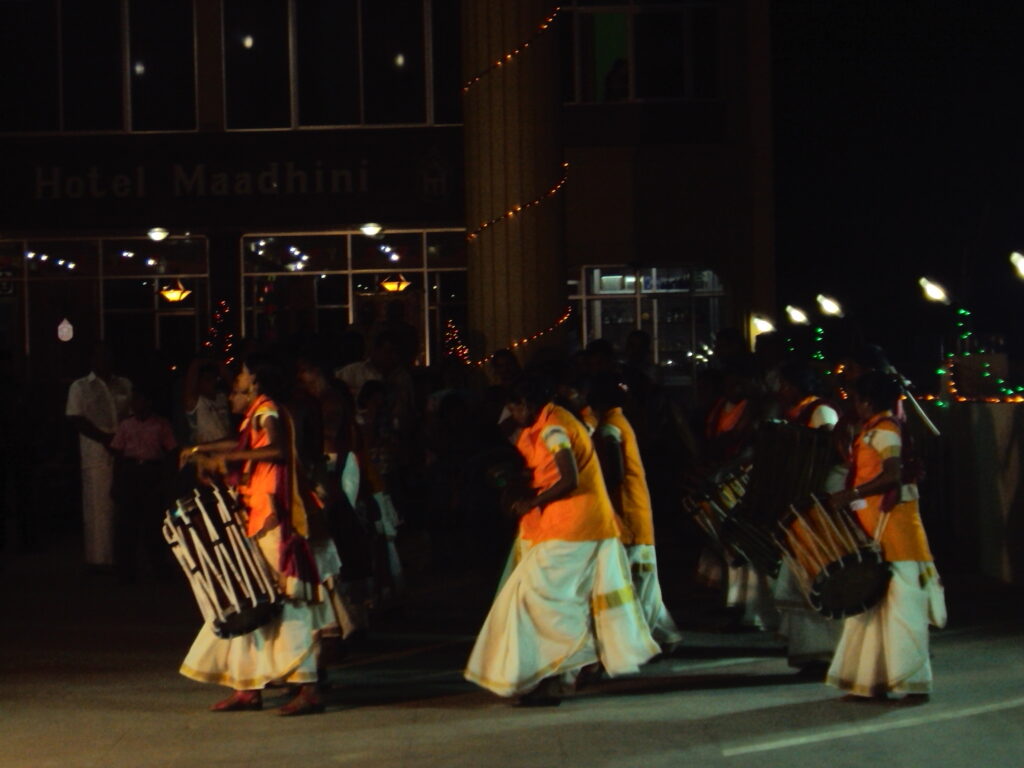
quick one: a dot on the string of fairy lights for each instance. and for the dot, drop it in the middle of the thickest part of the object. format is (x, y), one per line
(454, 344)
(456, 347)
(515, 210)
(508, 56)
(218, 338)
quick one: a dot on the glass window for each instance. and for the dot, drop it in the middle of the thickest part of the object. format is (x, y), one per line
(284, 253)
(332, 291)
(162, 66)
(146, 258)
(446, 249)
(130, 334)
(704, 22)
(447, 57)
(327, 52)
(659, 55)
(129, 294)
(393, 68)
(256, 64)
(28, 46)
(179, 337)
(603, 56)
(91, 58)
(602, 280)
(61, 259)
(393, 252)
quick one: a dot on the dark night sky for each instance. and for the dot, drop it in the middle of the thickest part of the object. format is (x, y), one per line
(900, 152)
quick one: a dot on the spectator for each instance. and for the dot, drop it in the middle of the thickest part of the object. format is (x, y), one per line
(96, 405)
(141, 446)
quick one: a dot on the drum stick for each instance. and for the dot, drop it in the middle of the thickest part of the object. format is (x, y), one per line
(883, 521)
(916, 406)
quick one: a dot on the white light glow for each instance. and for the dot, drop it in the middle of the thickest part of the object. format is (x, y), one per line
(371, 229)
(157, 234)
(1017, 260)
(400, 60)
(248, 42)
(796, 315)
(150, 262)
(762, 324)
(933, 291)
(829, 306)
(140, 68)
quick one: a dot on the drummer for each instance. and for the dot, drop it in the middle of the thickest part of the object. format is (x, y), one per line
(730, 430)
(885, 649)
(810, 637)
(286, 649)
(624, 476)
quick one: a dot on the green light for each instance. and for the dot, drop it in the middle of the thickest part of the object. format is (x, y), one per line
(940, 371)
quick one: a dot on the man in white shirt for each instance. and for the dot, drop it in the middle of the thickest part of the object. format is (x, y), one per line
(96, 405)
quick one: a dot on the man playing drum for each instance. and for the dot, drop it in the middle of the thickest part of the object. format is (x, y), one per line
(286, 649)
(885, 649)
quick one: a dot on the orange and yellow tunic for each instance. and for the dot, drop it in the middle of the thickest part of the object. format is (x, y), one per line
(261, 479)
(725, 417)
(632, 499)
(904, 536)
(584, 515)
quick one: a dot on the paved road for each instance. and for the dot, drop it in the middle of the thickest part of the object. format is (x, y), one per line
(89, 679)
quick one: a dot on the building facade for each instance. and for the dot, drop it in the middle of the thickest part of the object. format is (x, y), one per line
(619, 150)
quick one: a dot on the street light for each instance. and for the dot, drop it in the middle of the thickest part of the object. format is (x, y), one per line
(156, 234)
(371, 229)
(1017, 260)
(796, 315)
(829, 306)
(933, 291)
(762, 324)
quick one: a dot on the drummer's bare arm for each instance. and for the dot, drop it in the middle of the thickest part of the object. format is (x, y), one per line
(274, 451)
(883, 482)
(568, 481)
(609, 451)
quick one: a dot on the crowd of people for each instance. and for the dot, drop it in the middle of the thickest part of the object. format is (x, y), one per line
(572, 464)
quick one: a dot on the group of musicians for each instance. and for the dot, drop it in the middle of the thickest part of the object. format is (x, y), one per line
(580, 596)
(882, 650)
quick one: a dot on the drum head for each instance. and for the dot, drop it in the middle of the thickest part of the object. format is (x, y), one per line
(851, 585)
(247, 620)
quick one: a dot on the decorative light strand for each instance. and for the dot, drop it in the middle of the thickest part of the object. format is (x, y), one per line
(216, 333)
(456, 347)
(515, 210)
(501, 61)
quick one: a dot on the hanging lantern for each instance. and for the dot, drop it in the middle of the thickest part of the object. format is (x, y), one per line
(393, 284)
(175, 293)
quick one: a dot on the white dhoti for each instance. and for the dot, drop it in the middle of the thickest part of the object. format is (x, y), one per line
(751, 592)
(885, 649)
(810, 637)
(282, 651)
(98, 512)
(565, 605)
(643, 566)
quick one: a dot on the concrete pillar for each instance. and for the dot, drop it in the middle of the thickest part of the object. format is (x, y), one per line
(513, 157)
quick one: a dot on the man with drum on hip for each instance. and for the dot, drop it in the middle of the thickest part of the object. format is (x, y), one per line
(286, 649)
(885, 649)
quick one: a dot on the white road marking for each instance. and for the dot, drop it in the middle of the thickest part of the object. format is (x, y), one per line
(861, 730)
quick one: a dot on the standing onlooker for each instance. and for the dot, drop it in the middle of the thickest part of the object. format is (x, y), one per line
(141, 446)
(206, 402)
(96, 404)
